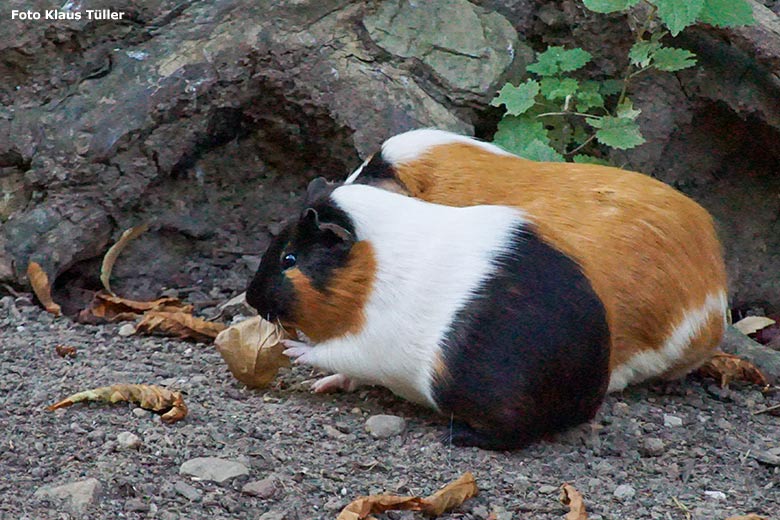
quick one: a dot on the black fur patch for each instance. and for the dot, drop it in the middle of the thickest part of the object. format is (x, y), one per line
(377, 169)
(318, 253)
(529, 354)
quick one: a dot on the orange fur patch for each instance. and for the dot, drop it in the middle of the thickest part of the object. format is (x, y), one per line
(338, 310)
(650, 252)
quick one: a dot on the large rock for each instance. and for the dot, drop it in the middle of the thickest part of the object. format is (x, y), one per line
(77, 496)
(111, 124)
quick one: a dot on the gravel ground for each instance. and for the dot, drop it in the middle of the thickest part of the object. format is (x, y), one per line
(688, 450)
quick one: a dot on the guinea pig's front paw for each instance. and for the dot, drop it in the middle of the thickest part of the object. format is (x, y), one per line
(334, 383)
(301, 353)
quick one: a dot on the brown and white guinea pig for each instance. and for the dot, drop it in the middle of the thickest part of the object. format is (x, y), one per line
(467, 310)
(650, 253)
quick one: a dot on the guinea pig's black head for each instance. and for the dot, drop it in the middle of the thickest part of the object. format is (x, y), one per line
(298, 273)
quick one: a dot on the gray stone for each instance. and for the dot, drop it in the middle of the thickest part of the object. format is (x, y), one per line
(141, 413)
(384, 426)
(213, 469)
(265, 488)
(672, 421)
(547, 489)
(466, 46)
(652, 447)
(187, 491)
(128, 329)
(137, 504)
(128, 441)
(717, 496)
(274, 515)
(624, 492)
(78, 495)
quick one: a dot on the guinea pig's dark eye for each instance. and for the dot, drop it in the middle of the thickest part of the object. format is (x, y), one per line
(288, 261)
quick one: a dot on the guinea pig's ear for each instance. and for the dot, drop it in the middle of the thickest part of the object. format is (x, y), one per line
(311, 219)
(318, 189)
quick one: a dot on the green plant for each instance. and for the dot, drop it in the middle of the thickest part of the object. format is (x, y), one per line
(554, 116)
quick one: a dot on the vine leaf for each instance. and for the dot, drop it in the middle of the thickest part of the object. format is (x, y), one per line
(641, 53)
(588, 96)
(525, 136)
(589, 159)
(517, 99)
(618, 132)
(609, 6)
(671, 59)
(556, 59)
(678, 14)
(727, 13)
(558, 88)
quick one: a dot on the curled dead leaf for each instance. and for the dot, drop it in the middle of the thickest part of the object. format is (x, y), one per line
(179, 324)
(727, 368)
(752, 324)
(65, 351)
(446, 499)
(573, 498)
(41, 287)
(253, 351)
(113, 253)
(149, 397)
(109, 307)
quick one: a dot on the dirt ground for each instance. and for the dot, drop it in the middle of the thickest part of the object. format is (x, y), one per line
(687, 450)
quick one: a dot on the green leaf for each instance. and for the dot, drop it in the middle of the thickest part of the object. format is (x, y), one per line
(540, 151)
(588, 96)
(671, 59)
(617, 132)
(727, 13)
(642, 52)
(555, 88)
(609, 6)
(515, 133)
(611, 87)
(517, 99)
(589, 159)
(556, 59)
(626, 110)
(678, 14)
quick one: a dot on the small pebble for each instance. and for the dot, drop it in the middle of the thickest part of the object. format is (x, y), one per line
(213, 469)
(274, 515)
(187, 491)
(652, 447)
(128, 441)
(128, 329)
(141, 413)
(265, 488)
(715, 495)
(136, 504)
(385, 426)
(547, 489)
(672, 421)
(624, 492)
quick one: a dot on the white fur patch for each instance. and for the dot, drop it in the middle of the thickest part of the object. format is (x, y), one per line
(652, 363)
(430, 260)
(409, 146)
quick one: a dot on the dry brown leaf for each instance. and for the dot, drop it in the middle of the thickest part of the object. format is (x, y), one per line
(253, 351)
(752, 324)
(42, 288)
(727, 367)
(149, 397)
(449, 497)
(113, 253)
(113, 308)
(65, 351)
(179, 324)
(573, 498)
(751, 516)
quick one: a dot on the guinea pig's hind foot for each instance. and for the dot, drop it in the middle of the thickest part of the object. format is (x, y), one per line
(462, 434)
(334, 383)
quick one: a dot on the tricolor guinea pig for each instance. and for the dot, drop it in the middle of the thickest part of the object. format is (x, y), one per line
(467, 310)
(650, 253)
